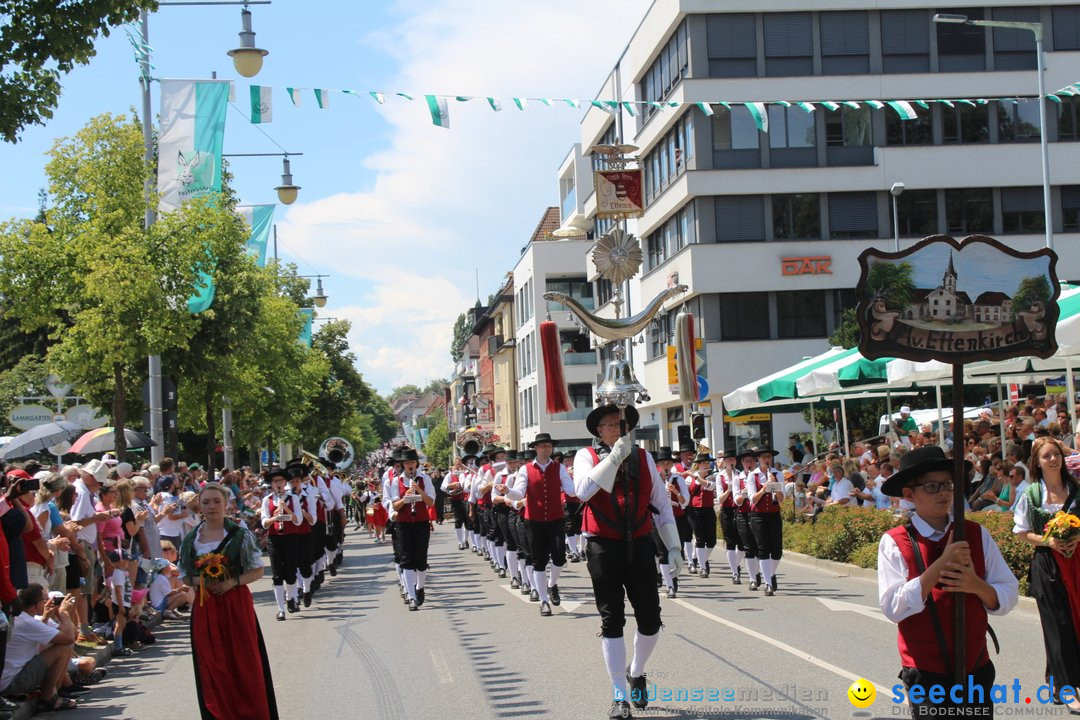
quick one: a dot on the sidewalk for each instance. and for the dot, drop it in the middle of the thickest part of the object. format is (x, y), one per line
(101, 655)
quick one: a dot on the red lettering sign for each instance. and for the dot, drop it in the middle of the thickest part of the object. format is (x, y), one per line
(821, 265)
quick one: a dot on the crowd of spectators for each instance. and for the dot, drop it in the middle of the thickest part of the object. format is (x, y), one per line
(88, 557)
(995, 479)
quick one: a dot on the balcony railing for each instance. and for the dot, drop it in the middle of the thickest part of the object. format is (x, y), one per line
(579, 358)
(569, 204)
(575, 414)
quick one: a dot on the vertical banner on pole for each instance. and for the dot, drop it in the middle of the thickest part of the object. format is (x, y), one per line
(308, 316)
(957, 301)
(260, 218)
(190, 153)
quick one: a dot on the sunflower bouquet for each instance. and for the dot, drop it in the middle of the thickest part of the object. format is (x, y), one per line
(1064, 526)
(213, 567)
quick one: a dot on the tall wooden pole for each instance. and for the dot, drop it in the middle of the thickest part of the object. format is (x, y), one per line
(959, 493)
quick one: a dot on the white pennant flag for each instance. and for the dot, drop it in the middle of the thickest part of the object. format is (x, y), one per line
(440, 112)
(294, 95)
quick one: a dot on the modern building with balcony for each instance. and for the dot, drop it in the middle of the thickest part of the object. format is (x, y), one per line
(548, 264)
(765, 227)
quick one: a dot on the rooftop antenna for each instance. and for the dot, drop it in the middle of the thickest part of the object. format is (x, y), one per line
(477, 285)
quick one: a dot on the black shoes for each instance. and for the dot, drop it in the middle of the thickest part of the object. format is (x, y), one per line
(292, 606)
(525, 589)
(693, 568)
(638, 690)
(705, 571)
(545, 609)
(534, 595)
(307, 598)
(659, 580)
(333, 571)
(619, 710)
(502, 572)
(281, 615)
(736, 578)
(773, 583)
(756, 582)
(419, 596)
(574, 557)
(769, 590)
(514, 583)
(671, 594)
(413, 607)
(554, 592)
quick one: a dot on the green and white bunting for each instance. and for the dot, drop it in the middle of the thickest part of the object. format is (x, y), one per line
(262, 104)
(191, 139)
(440, 112)
(907, 109)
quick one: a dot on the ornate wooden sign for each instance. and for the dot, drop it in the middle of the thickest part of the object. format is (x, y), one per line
(957, 301)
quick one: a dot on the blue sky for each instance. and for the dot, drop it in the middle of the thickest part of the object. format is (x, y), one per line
(979, 268)
(398, 212)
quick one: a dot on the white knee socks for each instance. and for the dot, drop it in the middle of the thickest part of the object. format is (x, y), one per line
(754, 566)
(410, 583)
(512, 563)
(460, 532)
(554, 570)
(290, 590)
(700, 556)
(540, 584)
(688, 551)
(643, 647)
(523, 572)
(615, 660)
(767, 567)
(421, 576)
(665, 572)
(279, 595)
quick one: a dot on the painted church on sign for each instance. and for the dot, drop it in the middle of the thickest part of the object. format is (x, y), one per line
(946, 304)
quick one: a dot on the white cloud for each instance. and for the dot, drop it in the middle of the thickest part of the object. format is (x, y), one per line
(445, 203)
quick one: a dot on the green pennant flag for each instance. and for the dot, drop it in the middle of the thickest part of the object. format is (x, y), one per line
(830, 105)
(440, 111)
(761, 118)
(876, 104)
(572, 103)
(294, 95)
(495, 104)
(407, 96)
(851, 104)
(903, 109)
(706, 108)
(545, 101)
(322, 98)
(806, 106)
(378, 97)
(520, 102)
(629, 107)
(261, 104)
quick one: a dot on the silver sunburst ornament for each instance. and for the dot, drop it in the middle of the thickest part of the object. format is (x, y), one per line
(617, 256)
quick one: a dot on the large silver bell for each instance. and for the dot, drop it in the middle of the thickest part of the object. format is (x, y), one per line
(619, 386)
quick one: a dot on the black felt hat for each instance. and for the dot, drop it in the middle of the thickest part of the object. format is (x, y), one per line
(914, 463)
(630, 413)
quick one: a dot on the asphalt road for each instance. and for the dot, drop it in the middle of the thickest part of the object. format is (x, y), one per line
(477, 649)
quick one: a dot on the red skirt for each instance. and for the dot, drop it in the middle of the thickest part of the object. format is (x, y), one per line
(225, 644)
(1069, 568)
(380, 516)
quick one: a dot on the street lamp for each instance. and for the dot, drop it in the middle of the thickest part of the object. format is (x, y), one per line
(286, 191)
(320, 298)
(896, 190)
(247, 59)
(1040, 66)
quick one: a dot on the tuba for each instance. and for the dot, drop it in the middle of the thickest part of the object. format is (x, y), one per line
(470, 442)
(338, 451)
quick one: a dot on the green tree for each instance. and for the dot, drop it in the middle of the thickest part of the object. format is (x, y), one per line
(891, 282)
(109, 292)
(26, 377)
(462, 329)
(1035, 288)
(438, 446)
(846, 334)
(40, 40)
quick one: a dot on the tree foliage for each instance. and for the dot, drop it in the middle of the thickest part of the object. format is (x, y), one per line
(1035, 288)
(462, 329)
(41, 40)
(437, 449)
(892, 282)
(108, 291)
(26, 377)
(846, 334)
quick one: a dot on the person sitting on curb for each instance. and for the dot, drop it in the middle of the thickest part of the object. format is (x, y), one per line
(37, 653)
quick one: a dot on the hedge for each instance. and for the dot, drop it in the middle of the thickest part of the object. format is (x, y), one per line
(851, 535)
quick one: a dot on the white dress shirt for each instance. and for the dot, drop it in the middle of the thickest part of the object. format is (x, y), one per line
(901, 598)
(338, 492)
(679, 482)
(841, 490)
(754, 480)
(585, 488)
(520, 481)
(290, 501)
(395, 488)
(456, 476)
(1020, 513)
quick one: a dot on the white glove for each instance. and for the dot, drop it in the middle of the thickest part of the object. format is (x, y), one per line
(621, 449)
(669, 534)
(675, 561)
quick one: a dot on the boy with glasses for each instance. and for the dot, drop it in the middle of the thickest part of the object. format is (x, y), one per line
(920, 576)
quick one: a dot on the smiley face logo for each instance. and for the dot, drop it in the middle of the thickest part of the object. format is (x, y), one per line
(862, 693)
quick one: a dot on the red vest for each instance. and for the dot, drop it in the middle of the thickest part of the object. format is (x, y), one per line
(414, 511)
(699, 496)
(605, 513)
(543, 496)
(723, 484)
(285, 527)
(767, 503)
(457, 495)
(919, 647)
(676, 509)
(485, 499)
(304, 527)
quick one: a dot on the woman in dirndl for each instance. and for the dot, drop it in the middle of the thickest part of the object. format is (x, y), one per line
(1055, 569)
(220, 558)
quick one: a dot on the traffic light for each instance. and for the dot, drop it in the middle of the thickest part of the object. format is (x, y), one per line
(684, 435)
(697, 423)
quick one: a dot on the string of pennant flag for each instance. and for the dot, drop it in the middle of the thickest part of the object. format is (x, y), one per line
(261, 98)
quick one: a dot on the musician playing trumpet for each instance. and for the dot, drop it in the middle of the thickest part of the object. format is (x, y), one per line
(455, 484)
(281, 520)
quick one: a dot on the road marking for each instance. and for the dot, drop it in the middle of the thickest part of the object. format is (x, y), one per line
(801, 654)
(865, 610)
(567, 606)
(442, 668)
